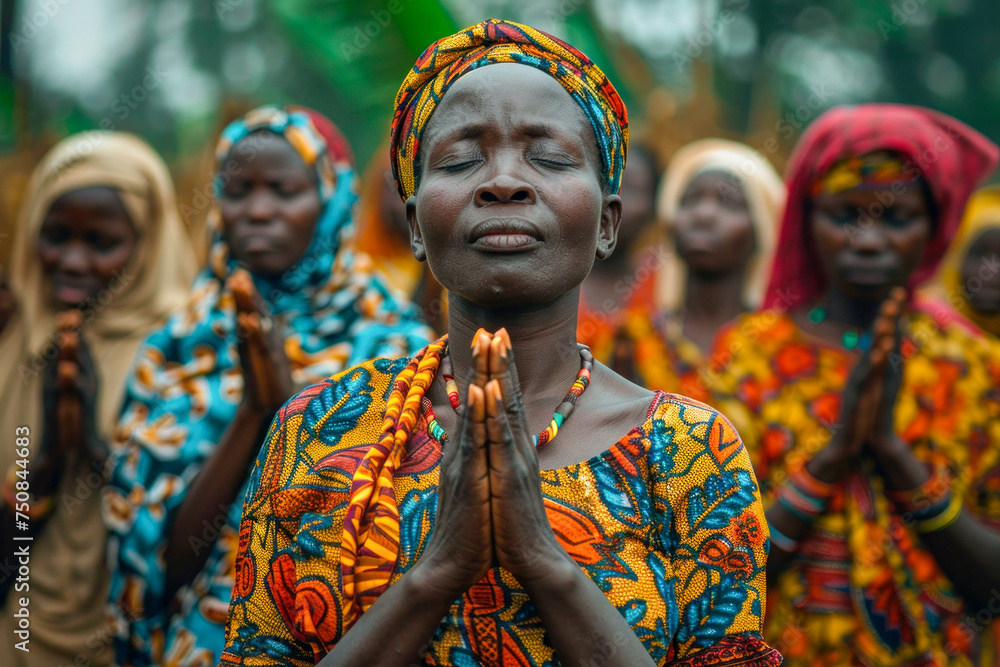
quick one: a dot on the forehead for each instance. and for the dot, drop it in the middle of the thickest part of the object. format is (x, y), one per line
(265, 148)
(713, 178)
(96, 198)
(508, 95)
(89, 207)
(910, 194)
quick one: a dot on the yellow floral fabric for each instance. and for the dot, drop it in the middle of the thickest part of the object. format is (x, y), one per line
(667, 522)
(861, 589)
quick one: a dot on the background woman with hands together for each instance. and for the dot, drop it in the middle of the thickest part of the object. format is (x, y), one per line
(868, 411)
(100, 259)
(456, 508)
(283, 302)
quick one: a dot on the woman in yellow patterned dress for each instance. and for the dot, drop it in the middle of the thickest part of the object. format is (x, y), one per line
(720, 201)
(878, 454)
(381, 527)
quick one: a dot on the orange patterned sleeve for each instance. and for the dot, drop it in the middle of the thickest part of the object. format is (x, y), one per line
(256, 632)
(286, 607)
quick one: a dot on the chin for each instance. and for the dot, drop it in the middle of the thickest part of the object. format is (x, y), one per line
(264, 267)
(876, 292)
(989, 308)
(518, 292)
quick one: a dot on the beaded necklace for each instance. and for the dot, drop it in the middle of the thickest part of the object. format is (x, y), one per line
(561, 414)
(852, 338)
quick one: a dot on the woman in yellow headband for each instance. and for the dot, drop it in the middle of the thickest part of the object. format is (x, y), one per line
(402, 512)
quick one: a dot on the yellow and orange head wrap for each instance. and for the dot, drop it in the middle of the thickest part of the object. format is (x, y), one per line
(498, 41)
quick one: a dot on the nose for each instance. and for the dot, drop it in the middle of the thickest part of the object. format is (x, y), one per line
(505, 189)
(74, 259)
(260, 206)
(704, 211)
(870, 239)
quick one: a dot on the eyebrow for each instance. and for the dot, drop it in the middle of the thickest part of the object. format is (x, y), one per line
(476, 130)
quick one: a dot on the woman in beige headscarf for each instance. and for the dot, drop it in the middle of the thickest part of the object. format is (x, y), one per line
(100, 257)
(719, 202)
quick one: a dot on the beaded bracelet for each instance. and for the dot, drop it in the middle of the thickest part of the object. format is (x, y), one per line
(805, 496)
(35, 508)
(806, 483)
(928, 499)
(781, 540)
(943, 519)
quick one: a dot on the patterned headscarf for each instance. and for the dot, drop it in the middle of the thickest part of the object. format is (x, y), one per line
(761, 186)
(874, 171)
(951, 158)
(497, 41)
(188, 384)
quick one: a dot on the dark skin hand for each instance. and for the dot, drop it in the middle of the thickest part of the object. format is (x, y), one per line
(270, 204)
(862, 402)
(267, 383)
(529, 157)
(714, 235)
(872, 259)
(491, 514)
(85, 241)
(69, 440)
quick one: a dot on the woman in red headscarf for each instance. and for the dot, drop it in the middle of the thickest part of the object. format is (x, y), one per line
(866, 412)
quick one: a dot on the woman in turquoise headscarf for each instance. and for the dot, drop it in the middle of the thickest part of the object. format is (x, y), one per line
(283, 303)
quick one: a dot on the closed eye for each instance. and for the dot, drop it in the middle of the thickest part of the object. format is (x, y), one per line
(455, 167)
(554, 160)
(554, 163)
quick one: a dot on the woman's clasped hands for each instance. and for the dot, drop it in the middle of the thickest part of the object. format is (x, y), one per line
(491, 511)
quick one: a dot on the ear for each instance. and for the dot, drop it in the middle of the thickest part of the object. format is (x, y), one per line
(611, 220)
(416, 239)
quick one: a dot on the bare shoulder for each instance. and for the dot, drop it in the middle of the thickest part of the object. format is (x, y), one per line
(617, 401)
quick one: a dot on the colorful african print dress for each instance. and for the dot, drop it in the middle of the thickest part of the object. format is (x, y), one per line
(861, 590)
(663, 356)
(667, 522)
(187, 385)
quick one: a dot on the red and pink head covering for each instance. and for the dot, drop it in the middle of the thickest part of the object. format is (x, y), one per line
(950, 157)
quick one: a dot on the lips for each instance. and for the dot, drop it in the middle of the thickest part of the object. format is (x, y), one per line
(872, 274)
(258, 244)
(698, 246)
(68, 289)
(505, 235)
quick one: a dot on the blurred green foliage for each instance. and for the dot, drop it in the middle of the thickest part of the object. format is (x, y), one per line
(767, 58)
